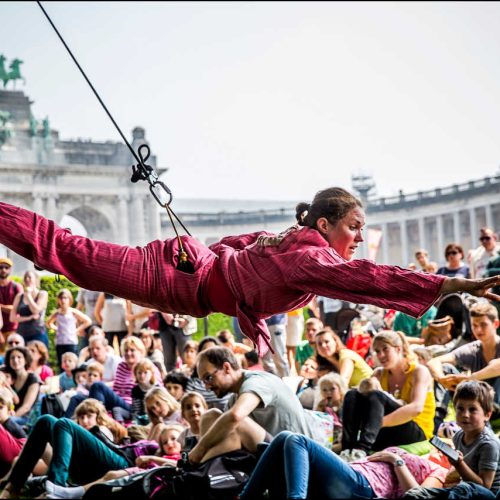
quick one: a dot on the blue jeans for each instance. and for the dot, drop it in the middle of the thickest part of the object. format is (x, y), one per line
(76, 452)
(101, 392)
(296, 467)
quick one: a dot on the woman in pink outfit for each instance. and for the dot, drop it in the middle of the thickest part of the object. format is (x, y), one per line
(251, 276)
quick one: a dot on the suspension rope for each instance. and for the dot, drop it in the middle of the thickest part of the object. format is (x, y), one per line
(141, 171)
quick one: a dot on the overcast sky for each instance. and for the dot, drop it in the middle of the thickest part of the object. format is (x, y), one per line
(277, 100)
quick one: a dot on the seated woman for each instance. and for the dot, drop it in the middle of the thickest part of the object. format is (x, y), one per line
(25, 384)
(401, 413)
(39, 357)
(333, 355)
(295, 466)
(79, 450)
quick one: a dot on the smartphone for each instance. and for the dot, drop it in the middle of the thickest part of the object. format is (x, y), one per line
(444, 448)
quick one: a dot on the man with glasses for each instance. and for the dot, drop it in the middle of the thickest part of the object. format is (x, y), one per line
(481, 255)
(261, 405)
(8, 291)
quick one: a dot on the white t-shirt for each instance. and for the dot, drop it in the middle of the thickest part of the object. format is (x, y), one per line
(479, 260)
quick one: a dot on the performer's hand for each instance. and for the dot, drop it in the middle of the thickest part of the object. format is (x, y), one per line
(476, 287)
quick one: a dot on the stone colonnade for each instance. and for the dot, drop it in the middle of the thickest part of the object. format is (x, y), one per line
(400, 238)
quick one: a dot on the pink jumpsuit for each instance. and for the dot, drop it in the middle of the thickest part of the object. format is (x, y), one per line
(236, 276)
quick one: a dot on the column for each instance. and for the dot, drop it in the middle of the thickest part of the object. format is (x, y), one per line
(489, 216)
(456, 227)
(38, 203)
(52, 207)
(440, 235)
(123, 228)
(404, 243)
(421, 232)
(154, 220)
(473, 227)
(385, 243)
(137, 230)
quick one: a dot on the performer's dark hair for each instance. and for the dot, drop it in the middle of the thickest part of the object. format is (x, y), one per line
(332, 203)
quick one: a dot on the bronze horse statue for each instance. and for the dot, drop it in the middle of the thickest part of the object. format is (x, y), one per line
(14, 73)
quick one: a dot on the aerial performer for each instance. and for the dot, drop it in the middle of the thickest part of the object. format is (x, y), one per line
(250, 276)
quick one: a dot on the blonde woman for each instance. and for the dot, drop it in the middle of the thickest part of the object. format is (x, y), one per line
(401, 413)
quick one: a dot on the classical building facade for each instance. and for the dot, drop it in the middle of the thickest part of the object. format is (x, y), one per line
(84, 179)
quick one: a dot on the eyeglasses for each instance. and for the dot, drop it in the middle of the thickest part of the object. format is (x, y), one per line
(452, 252)
(208, 379)
(483, 238)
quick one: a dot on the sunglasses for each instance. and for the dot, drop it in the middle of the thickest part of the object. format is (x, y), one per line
(452, 252)
(4, 267)
(483, 238)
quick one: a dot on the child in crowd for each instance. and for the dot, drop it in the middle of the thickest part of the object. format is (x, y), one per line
(478, 446)
(69, 324)
(69, 361)
(332, 389)
(188, 356)
(477, 468)
(95, 372)
(161, 408)
(170, 448)
(91, 413)
(176, 384)
(144, 372)
(81, 378)
(193, 406)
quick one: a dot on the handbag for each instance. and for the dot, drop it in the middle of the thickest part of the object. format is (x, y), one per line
(438, 331)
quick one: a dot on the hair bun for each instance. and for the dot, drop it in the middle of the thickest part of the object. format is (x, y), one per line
(301, 212)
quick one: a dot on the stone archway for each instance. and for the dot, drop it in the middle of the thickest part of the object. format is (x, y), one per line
(97, 225)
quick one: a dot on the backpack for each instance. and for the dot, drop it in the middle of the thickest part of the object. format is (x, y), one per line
(52, 405)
